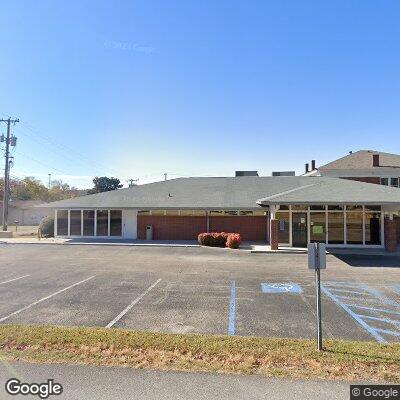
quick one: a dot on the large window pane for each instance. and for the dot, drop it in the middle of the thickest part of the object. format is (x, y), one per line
(372, 228)
(88, 222)
(336, 228)
(116, 223)
(283, 227)
(62, 222)
(102, 222)
(354, 227)
(75, 222)
(317, 227)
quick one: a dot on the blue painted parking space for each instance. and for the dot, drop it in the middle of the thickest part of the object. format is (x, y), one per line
(281, 288)
(376, 313)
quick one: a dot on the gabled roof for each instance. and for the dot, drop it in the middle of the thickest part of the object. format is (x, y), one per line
(234, 193)
(362, 159)
(335, 191)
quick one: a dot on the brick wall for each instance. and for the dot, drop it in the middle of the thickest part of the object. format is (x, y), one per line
(274, 234)
(371, 179)
(172, 227)
(390, 235)
(252, 229)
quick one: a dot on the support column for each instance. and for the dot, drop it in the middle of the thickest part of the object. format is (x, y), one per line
(274, 234)
(390, 234)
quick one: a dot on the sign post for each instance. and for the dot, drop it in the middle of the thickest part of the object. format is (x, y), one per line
(317, 261)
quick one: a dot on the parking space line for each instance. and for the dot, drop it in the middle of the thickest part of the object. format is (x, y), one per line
(134, 302)
(232, 310)
(44, 298)
(387, 320)
(393, 333)
(15, 279)
(373, 332)
(383, 310)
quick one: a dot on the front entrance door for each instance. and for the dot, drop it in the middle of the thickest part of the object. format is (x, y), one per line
(299, 229)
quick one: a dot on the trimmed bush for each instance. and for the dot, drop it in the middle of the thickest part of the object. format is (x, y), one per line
(234, 240)
(46, 227)
(219, 239)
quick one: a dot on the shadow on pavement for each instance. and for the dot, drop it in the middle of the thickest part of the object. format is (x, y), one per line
(369, 261)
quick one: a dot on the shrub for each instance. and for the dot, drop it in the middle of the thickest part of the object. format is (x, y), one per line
(234, 240)
(46, 227)
(219, 239)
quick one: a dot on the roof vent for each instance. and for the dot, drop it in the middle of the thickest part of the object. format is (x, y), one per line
(375, 160)
(246, 173)
(306, 167)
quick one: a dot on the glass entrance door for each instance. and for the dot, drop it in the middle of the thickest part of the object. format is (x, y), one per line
(299, 229)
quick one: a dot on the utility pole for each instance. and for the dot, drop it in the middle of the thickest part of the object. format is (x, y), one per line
(131, 182)
(49, 181)
(10, 141)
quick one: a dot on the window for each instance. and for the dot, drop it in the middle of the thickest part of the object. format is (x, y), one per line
(172, 213)
(75, 222)
(88, 222)
(102, 223)
(260, 213)
(282, 208)
(372, 228)
(394, 182)
(317, 208)
(385, 181)
(230, 212)
(335, 208)
(115, 223)
(299, 207)
(62, 222)
(372, 208)
(186, 213)
(283, 227)
(158, 212)
(317, 227)
(354, 208)
(336, 228)
(244, 213)
(144, 212)
(199, 213)
(216, 213)
(354, 225)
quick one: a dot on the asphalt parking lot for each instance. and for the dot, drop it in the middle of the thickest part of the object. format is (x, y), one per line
(198, 290)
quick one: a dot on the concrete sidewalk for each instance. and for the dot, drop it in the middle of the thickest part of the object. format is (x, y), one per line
(98, 383)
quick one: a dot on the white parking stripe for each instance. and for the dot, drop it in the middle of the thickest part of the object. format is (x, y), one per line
(140, 297)
(44, 298)
(12, 280)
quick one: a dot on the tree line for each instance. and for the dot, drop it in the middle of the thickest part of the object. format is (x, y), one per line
(31, 188)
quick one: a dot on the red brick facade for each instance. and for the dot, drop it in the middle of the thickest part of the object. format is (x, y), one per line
(171, 227)
(370, 179)
(274, 234)
(252, 228)
(390, 235)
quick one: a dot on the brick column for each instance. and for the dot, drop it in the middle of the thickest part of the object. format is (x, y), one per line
(390, 235)
(273, 240)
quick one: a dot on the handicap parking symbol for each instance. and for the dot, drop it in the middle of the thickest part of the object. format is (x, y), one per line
(281, 288)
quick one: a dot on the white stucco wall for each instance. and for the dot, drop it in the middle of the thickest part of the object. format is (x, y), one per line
(129, 221)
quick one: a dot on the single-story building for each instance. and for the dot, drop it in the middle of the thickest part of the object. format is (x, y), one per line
(287, 210)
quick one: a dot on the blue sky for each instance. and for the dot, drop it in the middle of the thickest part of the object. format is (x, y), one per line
(139, 88)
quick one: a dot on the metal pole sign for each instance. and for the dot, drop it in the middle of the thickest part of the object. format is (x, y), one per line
(317, 261)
